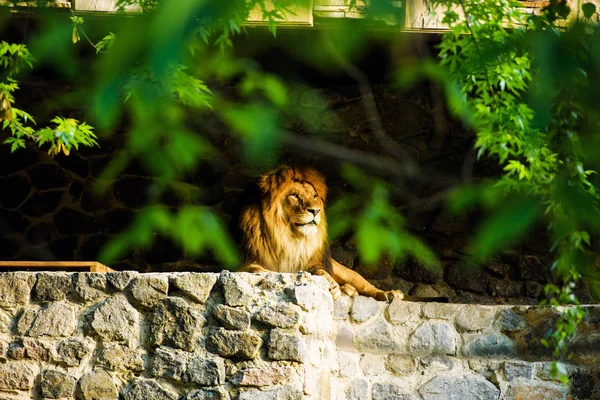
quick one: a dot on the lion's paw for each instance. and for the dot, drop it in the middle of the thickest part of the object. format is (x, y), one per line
(389, 295)
(349, 290)
(335, 290)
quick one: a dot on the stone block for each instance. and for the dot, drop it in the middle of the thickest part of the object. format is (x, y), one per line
(205, 371)
(274, 393)
(15, 288)
(586, 347)
(401, 312)
(286, 346)
(169, 363)
(55, 384)
(207, 394)
(117, 357)
(25, 319)
(177, 324)
(475, 317)
(492, 345)
(348, 364)
(534, 391)
(344, 339)
(400, 364)
(29, 349)
(71, 352)
(515, 369)
(582, 385)
(364, 308)
(120, 280)
(341, 307)
(505, 288)
(280, 315)
(378, 336)
(196, 286)
(5, 322)
(237, 291)
(422, 290)
(436, 363)
(372, 364)
(89, 286)
(534, 289)
(244, 345)
(232, 318)
(17, 376)
(147, 389)
(463, 387)
(440, 310)
(470, 278)
(115, 320)
(358, 389)
(52, 286)
(97, 385)
(148, 290)
(390, 391)
(311, 297)
(57, 319)
(489, 369)
(434, 338)
(509, 320)
(266, 375)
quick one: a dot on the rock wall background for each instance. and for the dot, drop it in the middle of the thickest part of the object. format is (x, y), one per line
(230, 336)
(48, 210)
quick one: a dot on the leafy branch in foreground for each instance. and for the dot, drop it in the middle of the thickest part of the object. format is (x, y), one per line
(493, 55)
(66, 134)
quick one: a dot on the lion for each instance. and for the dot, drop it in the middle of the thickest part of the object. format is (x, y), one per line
(285, 230)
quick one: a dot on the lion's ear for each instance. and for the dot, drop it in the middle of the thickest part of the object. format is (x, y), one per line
(318, 182)
(274, 179)
(265, 183)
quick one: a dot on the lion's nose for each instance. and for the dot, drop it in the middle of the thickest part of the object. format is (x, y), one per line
(314, 211)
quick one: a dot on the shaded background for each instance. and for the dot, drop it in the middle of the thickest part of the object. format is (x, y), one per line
(48, 210)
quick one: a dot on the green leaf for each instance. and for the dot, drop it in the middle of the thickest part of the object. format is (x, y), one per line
(275, 91)
(506, 225)
(258, 128)
(369, 242)
(588, 10)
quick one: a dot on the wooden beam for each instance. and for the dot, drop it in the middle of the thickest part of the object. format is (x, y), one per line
(92, 266)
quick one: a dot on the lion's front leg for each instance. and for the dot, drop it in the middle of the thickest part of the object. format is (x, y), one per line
(334, 288)
(343, 275)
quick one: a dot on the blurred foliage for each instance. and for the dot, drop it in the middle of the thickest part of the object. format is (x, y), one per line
(532, 108)
(379, 226)
(525, 84)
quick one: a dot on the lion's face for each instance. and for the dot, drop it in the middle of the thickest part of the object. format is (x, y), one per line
(286, 230)
(296, 197)
(302, 208)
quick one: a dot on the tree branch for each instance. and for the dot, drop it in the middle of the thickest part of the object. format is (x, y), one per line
(410, 167)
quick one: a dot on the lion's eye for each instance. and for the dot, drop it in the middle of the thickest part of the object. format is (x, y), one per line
(295, 196)
(315, 197)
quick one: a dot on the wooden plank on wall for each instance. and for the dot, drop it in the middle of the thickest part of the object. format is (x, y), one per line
(92, 266)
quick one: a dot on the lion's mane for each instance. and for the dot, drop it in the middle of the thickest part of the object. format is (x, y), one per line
(269, 240)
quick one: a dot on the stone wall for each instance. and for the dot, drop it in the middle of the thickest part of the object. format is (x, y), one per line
(270, 336)
(431, 351)
(164, 336)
